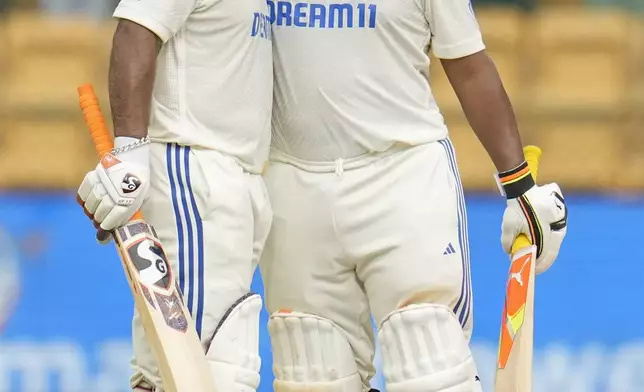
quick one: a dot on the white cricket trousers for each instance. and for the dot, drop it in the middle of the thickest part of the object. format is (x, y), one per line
(368, 236)
(212, 218)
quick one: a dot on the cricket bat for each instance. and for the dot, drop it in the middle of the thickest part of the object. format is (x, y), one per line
(516, 344)
(168, 326)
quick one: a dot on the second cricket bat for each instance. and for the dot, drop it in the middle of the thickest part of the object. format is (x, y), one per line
(168, 326)
(516, 344)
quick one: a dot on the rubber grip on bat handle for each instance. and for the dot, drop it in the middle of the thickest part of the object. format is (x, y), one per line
(97, 126)
(94, 120)
(532, 156)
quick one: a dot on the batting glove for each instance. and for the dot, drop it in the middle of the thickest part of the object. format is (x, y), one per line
(539, 212)
(116, 189)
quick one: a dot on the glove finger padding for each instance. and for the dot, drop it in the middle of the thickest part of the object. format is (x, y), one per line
(559, 217)
(113, 218)
(511, 227)
(117, 187)
(549, 254)
(86, 186)
(104, 207)
(93, 200)
(541, 214)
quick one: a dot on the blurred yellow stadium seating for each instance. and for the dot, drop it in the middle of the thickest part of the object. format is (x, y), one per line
(581, 57)
(4, 67)
(49, 57)
(578, 152)
(49, 153)
(637, 65)
(575, 76)
(576, 79)
(561, 2)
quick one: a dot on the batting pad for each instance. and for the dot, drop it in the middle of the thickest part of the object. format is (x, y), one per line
(311, 353)
(233, 354)
(424, 350)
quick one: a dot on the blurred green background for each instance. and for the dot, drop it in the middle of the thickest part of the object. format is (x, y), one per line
(574, 70)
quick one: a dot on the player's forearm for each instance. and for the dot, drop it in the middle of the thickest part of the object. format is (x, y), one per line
(131, 78)
(487, 108)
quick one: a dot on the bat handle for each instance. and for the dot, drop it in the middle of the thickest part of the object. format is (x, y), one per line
(97, 126)
(532, 156)
(94, 120)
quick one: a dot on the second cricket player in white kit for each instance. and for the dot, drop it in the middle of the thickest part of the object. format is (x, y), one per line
(191, 91)
(369, 214)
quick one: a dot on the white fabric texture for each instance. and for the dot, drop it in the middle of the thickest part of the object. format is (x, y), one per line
(212, 218)
(214, 77)
(366, 239)
(353, 78)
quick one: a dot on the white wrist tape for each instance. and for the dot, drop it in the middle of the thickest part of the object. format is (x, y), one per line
(132, 149)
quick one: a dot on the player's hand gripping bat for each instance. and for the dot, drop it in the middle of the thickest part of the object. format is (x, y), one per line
(514, 365)
(168, 325)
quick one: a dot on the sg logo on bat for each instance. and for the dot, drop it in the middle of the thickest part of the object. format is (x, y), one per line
(157, 284)
(147, 256)
(149, 259)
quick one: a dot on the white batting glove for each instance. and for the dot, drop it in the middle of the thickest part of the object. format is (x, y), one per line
(116, 189)
(539, 212)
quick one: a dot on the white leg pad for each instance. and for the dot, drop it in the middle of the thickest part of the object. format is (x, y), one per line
(424, 349)
(311, 354)
(233, 354)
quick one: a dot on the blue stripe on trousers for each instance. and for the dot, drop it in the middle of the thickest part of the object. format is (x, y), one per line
(185, 208)
(200, 245)
(177, 217)
(462, 308)
(189, 228)
(466, 311)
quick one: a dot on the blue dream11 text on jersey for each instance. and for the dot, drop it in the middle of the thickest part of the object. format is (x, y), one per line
(322, 16)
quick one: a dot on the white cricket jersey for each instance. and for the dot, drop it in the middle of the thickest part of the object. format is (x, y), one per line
(214, 78)
(352, 77)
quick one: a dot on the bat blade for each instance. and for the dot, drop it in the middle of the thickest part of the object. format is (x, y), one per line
(169, 328)
(168, 325)
(516, 343)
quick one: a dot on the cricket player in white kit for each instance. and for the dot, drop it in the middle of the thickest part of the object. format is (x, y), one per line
(369, 215)
(191, 92)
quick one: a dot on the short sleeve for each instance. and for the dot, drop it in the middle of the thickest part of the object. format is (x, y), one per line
(455, 31)
(163, 17)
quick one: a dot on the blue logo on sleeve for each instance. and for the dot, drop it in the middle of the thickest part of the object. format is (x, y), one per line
(261, 26)
(322, 16)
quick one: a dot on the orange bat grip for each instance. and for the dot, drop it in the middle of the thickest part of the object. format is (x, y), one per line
(97, 126)
(94, 120)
